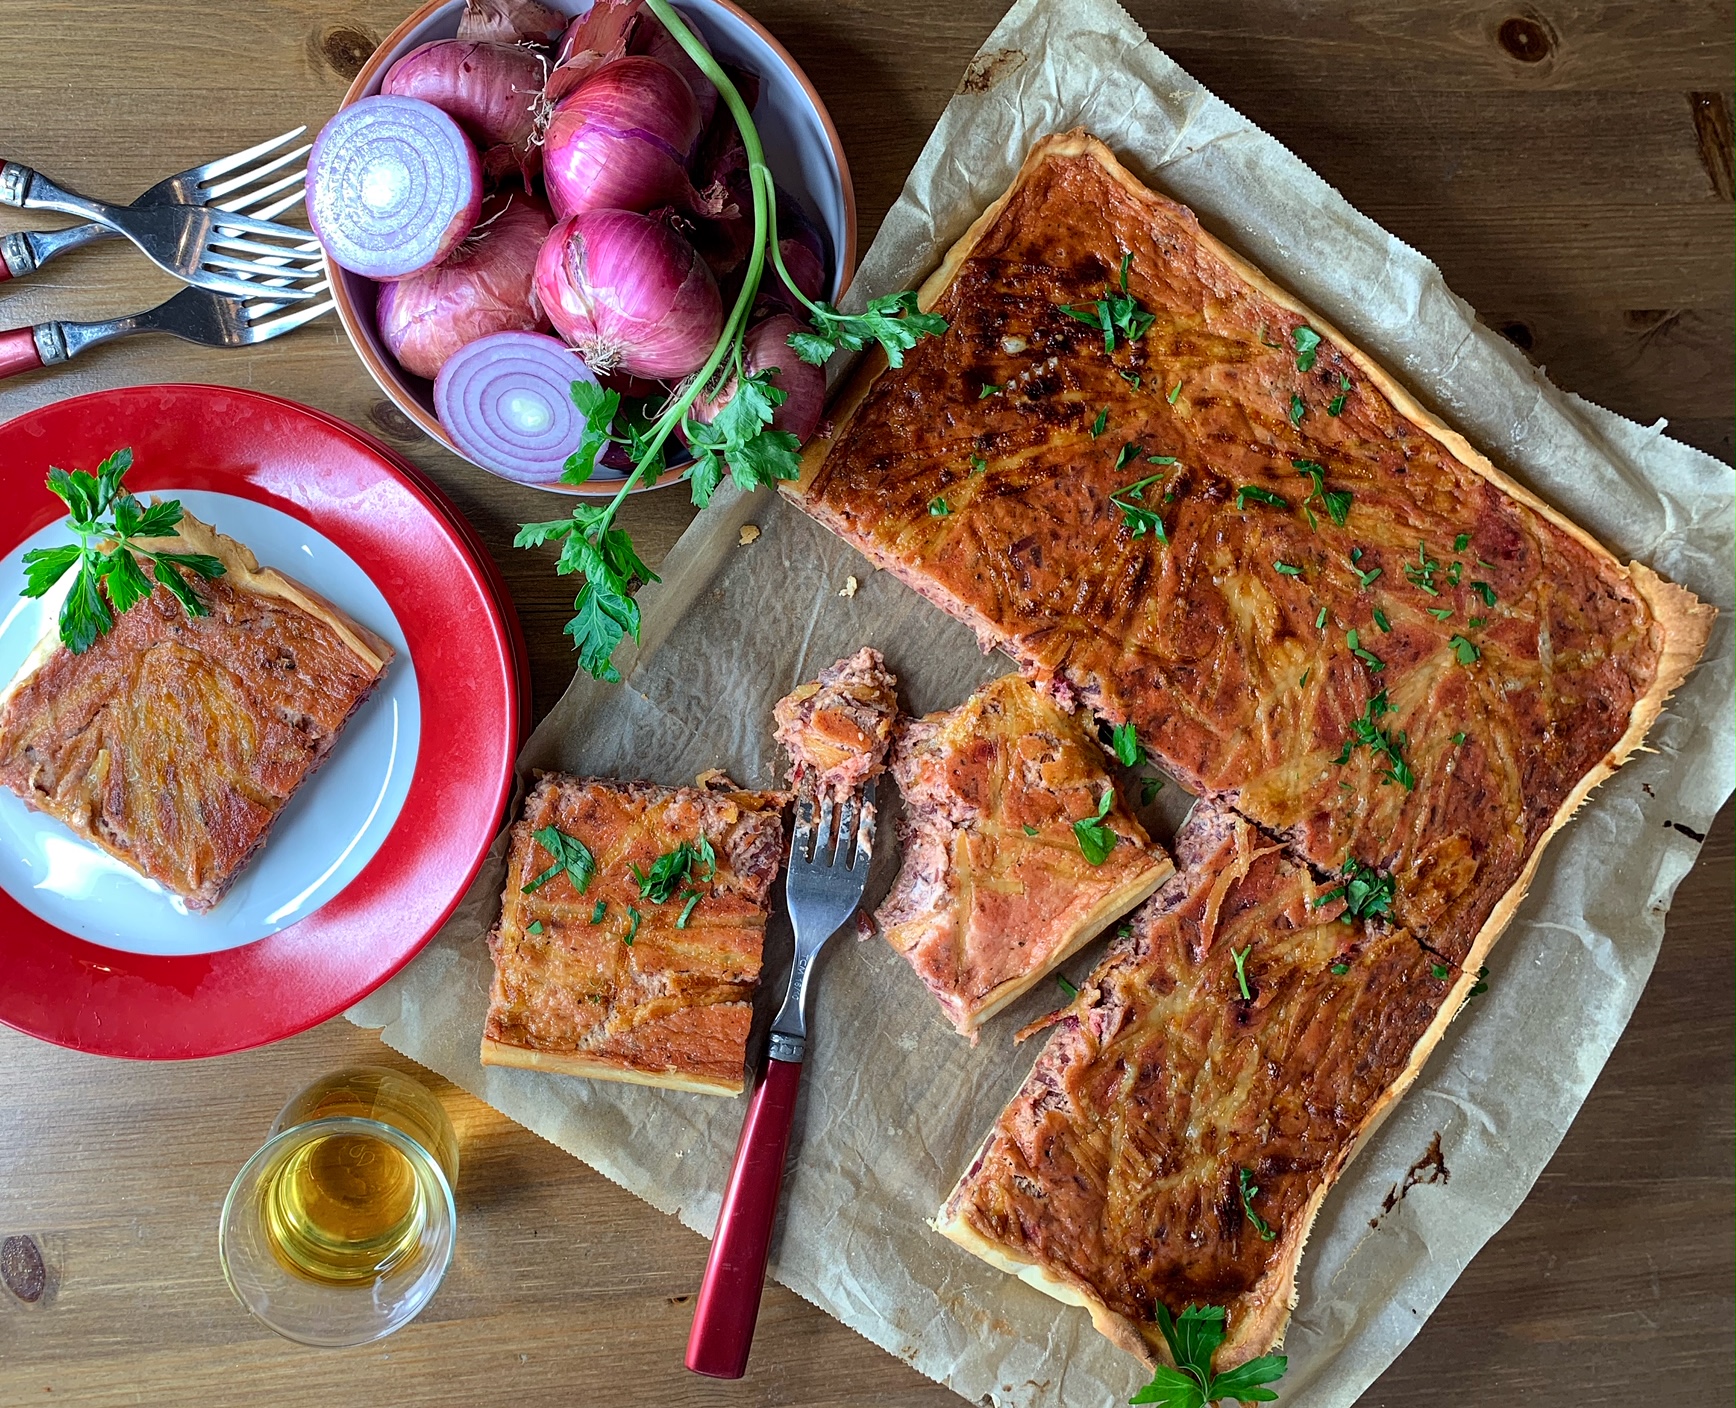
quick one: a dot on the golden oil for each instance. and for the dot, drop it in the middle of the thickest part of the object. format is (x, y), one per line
(345, 1207)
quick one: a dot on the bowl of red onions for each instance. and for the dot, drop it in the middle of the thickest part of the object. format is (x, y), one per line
(540, 219)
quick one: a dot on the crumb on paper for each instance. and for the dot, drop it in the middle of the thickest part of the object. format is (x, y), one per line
(749, 531)
(849, 587)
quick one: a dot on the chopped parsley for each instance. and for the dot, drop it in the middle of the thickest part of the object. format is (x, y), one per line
(692, 897)
(1114, 313)
(1369, 578)
(1149, 787)
(1174, 391)
(1320, 620)
(1440, 613)
(1030, 830)
(1298, 409)
(1131, 501)
(633, 920)
(1476, 622)
(1065, 986)
(1341, 968)
(1160, 459)
(1366, 892)
(978, 464)
(1381, 621)
(1458, 740)
(988, 389)
(1124, 739)
(1307, 347)
(1241, 959)
(1422, 573)
(937, 508)
(1440, 970)
(1367, 732)
(1304, 680)
(1259, 496)
(1250, 1191)
(1336, 405)
(601, 908)
(1128, 451)
(1096, 840)
(1467, 653)
(570, 855)
(534, 927)
(1097, 426)
(1480, 986)
(1368, 657)
(1337, 501)
(1287, 569)
(1131, 378)
(1461, 542)
(671, 870)
(1484, 590)
(1453, 574)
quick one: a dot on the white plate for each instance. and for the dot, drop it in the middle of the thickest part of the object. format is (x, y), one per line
(328, 832)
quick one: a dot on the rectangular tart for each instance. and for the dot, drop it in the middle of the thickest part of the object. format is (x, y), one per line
(1322, 604)
(1114, 1179)
(595, 974)
(995, 890)
(175, 741)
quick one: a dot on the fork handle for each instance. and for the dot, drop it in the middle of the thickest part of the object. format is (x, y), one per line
(28, 250)
(20, 352)
(729, 1297)
(31, 190)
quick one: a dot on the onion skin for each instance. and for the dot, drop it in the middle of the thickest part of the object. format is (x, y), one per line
(767, 347)
(597, 37)
(509, 22)
(490, 90)
(631, 294)
(621, 141)
(481, 288)
(651, 39)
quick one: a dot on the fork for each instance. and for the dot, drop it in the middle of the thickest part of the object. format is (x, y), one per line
(187, 241)
(28, 250)
(193, 315)
(824, 885)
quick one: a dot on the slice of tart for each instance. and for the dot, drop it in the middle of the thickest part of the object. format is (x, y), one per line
(837, 728)
(1017, 849)
(630, 932)
(175, 741)
(1191, 1109)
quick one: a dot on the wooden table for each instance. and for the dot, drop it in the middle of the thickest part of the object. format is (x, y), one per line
(1568, 166)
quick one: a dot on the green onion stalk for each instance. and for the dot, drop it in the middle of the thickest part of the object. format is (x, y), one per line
(606, 612)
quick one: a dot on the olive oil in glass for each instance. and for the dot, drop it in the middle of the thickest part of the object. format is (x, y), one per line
(346, 1207)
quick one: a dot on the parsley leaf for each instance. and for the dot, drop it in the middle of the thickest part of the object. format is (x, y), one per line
(1337, 501)
(978, 465)
(671, 870)
(1287, 569)
(1131, 378)
(1368, 657)
(1458, 740)
(894, 321)
(1128, 451)
(988, 389)
(1129, 751)
(604, 611)
(534, 927)
(1307, 345)
(1461, 542)
(937, 508)
(1174, 391)
(1115, 312)
(1298, 409)
(634, 919)
(740, 438)
(1466, 651)
(108, 554)
(1250, 1191)
(1366, 732)
(1336, 405)
(693, 897)
(1135, 514)
(1065, 986)
(1240, 958)
(1030, 830)
(570, 855)
(1366, 892)
(1096, 840)
(1320, 620)
(1102, 421)
(1480, 986)
(1193, 1338)
(1484, 590)
(1381, 621)
(1259, 495)
(1440, 970)
(1341, 968)
(598, 911)
(1422, 575)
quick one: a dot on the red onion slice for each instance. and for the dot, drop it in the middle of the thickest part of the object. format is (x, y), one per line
(393, 185)
(507, 403)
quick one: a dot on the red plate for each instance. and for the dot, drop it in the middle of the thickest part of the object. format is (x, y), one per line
(468, 657)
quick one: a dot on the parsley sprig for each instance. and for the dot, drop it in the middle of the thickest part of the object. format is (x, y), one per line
(1367, 732)
(1096, 840)
(1366, 892)
(1117, 312)
(109, 522)
(570, 855)
(1251, 1190)
(739, 439)
(1130, 499)
(1193, 1338)
(1336, 501)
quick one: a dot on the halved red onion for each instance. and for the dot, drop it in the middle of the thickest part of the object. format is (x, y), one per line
(621, 140)
(483, 287)
(393, 185)
(629, 293)
(507, 403)
(490, 90)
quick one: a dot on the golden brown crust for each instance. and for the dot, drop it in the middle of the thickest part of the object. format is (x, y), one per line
(609, 981)
(174, 741)
(994, 891)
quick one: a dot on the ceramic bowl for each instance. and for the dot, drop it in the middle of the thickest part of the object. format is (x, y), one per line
(801, 144)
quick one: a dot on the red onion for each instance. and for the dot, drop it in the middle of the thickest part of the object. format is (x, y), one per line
(393, 185)
(651, 39)
(490, 90)
(509, 22)
(597, 37)
(629, 293)
(483, 287)
(507, 403)
(621, 140)
(767, 346)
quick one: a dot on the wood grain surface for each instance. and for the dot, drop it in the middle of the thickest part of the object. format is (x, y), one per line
(1568, 165)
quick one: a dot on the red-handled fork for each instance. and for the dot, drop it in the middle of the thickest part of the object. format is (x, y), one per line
(824, 885)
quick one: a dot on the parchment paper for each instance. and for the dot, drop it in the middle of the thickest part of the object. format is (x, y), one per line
(894, 1104)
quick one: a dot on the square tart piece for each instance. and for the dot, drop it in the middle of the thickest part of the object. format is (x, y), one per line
(1203, 511)
(175, 741)
(1178, 1133)
(593, 974)
(995, 890)
(837, 728)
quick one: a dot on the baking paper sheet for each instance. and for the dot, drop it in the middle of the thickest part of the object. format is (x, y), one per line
(894, 1104)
